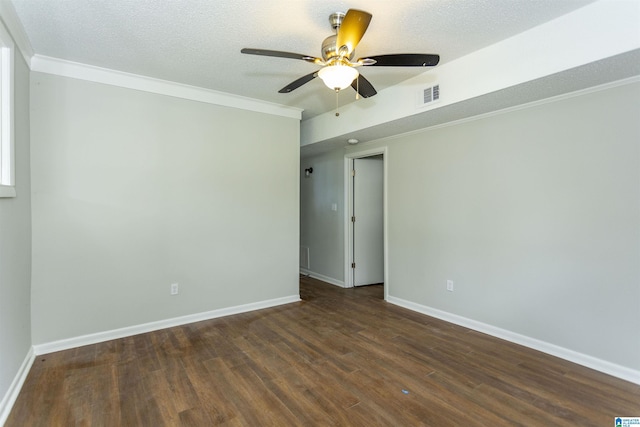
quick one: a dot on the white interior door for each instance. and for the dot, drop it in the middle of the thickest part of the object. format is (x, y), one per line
(368, 208)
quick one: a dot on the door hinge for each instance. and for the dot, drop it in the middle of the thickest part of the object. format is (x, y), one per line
(353, 219)
(353, 172)
(353, 265)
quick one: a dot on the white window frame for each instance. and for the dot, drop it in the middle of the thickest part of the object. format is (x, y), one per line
(7, 144)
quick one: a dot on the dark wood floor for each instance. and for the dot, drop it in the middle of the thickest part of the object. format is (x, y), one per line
(340, 357)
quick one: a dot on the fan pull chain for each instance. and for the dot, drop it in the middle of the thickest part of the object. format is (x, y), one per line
(358, 87)
(337, 93)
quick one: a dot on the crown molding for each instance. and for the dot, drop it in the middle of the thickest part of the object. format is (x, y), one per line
(507, 110)
(14, 26)
(76, 70)
(60, 67)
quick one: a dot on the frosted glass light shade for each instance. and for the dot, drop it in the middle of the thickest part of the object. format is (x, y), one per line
(337, 77)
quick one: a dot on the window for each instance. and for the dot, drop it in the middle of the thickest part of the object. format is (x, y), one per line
(7, 148)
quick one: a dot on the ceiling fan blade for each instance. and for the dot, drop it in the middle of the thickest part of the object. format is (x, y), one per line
(403, 60)
(280, 54)
(363, 87)
(352, 29)
(297, 83)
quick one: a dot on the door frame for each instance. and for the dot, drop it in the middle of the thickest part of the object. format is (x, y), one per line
(348, 203)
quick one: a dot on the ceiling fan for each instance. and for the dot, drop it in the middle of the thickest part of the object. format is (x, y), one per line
(339, 70)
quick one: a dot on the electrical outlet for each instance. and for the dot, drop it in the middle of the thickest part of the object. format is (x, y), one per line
(174, 289)
(450, 285)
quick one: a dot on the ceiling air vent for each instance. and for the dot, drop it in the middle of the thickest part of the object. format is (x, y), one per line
(429, 95)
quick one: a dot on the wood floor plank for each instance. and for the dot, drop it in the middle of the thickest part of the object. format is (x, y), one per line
(340, 357)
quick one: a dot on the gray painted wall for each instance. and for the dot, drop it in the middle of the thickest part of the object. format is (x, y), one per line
(322, 229)
(534, 214)
(15, 245)
(134, 191)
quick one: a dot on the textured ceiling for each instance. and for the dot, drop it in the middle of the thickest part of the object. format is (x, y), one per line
(198, 42)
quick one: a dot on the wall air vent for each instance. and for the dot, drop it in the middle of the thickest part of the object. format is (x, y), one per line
(429, 95)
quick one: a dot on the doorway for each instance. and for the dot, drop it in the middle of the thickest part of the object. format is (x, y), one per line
(365, 240)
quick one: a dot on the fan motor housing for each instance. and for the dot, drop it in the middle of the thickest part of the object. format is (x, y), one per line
(330, 50)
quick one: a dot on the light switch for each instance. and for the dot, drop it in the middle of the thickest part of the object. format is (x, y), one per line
(334, 207)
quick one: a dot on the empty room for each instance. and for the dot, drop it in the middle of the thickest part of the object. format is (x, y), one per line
(246, 213)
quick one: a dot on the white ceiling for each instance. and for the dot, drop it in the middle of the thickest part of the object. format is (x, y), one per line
(198, 42)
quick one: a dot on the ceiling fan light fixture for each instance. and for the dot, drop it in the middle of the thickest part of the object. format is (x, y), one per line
(338, 77)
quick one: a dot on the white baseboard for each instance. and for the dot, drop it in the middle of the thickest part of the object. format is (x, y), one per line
(16, 385)
(66, 344)
(604, 366)
(322, 277)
